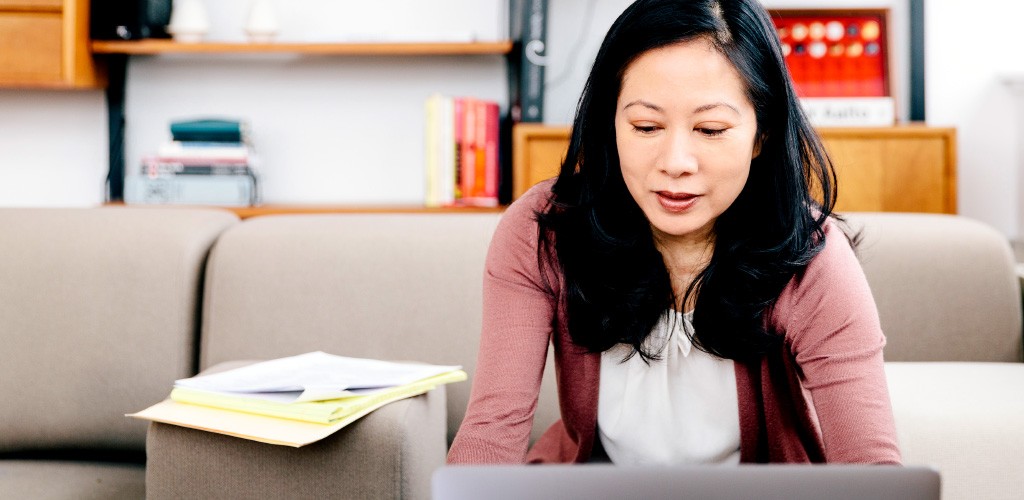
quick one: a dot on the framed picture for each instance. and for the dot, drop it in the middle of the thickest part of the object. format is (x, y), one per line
(836, 52)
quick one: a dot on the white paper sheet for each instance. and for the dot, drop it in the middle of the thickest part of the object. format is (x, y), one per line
(313, 376)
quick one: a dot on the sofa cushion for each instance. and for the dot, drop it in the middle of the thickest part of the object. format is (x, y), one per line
(98, 316)
(964, 419)
(945, 286)
(386, 286)
(389, 453)
(60, 480)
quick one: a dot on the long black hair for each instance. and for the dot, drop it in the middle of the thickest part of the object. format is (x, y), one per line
(615, 280)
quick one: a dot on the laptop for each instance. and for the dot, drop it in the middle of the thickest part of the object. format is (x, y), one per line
(600, 481)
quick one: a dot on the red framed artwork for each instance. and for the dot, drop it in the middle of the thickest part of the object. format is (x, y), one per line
(836, 53)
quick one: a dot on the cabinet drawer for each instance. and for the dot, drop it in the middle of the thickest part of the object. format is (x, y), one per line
(36, 5)
(30, 47)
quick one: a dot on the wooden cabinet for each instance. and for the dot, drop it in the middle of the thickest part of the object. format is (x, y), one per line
(45, 44)
(909, 168)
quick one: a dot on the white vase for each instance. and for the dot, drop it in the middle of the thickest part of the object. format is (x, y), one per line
(189, 21)
(262, 25)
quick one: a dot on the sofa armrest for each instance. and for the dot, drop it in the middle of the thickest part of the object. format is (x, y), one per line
(964, 419)
(390, 453)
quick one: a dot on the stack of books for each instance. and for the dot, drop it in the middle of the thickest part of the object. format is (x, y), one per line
(463, 165)
(296, 400)
(206, 162)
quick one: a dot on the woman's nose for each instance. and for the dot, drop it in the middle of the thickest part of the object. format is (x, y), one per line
(678, 158)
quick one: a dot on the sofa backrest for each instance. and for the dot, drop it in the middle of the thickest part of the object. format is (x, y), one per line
(408, 287)
(98, 317)
(384, 286)
(945, 285)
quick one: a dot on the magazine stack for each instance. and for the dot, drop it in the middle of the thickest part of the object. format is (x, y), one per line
(207, 162)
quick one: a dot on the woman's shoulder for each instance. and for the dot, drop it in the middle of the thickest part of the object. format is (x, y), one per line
(518, 229)
(838, 248)
(835, 257)
(516, 242)
(521, 216)
(833, 275)
(534, 200)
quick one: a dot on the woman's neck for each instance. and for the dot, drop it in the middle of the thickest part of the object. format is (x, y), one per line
(685, 258)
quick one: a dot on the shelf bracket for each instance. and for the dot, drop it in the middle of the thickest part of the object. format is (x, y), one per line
(117, 72)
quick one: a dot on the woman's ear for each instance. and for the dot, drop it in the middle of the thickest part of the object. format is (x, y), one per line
(758, 141)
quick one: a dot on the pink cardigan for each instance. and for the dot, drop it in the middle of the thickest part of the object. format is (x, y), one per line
(821, 398)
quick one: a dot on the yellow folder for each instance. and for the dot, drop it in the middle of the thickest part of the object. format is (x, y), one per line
(267, 422)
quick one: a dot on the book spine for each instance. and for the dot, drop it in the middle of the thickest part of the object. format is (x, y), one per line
(534, 58)
(155, 167)
(492, 160)
(212, 151)
(209, 130)
(480, 151)
(467, 162)
(431, 152)
(453, 160)
(447, 158)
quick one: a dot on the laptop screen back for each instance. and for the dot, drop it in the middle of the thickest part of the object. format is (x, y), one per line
(597, 481)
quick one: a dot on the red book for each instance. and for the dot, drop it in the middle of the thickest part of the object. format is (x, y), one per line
(492, 161)
(467, 163)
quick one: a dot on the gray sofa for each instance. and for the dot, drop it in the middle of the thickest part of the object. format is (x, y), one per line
(101, 309)
(98, 313)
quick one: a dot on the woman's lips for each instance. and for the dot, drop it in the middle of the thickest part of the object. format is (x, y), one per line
(676, 202)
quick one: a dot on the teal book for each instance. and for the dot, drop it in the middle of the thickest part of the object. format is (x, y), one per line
(210, 130)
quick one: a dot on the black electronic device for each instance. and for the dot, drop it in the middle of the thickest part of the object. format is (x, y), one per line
(129, 19)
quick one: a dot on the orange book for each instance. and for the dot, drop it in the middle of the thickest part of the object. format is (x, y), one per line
(467, 162)
(480, 152)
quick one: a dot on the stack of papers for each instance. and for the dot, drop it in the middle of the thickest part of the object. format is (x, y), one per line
(296, 400)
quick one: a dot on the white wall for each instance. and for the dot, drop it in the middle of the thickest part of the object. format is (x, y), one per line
(972, 45)
(348, 129)
(53, 148)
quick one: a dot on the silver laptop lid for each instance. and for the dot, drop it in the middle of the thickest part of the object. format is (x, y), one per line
(599, 481)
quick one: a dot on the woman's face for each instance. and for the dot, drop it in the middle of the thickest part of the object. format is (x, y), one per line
(685, 133)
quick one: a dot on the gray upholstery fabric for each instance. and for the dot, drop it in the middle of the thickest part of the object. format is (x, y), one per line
(945, 286)
(387, 286)
(407, 287)
(98, 315)
(390, 453)
(58, 480)
(964, 419)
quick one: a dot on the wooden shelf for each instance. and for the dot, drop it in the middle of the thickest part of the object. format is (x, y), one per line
(246, 212)
(164, 46)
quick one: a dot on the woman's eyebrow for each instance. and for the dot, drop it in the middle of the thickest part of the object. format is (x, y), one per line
(641, 102)
(708, 107)
(699, 109)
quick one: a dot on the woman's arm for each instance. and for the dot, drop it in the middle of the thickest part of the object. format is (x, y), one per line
(518, 314)
(833, 332)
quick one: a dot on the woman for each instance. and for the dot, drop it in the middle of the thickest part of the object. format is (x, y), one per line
(703, 306)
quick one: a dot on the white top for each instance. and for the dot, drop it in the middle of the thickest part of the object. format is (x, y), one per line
(681, 409)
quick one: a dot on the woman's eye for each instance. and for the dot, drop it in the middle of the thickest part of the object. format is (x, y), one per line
(711, 132)
(645, 129)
